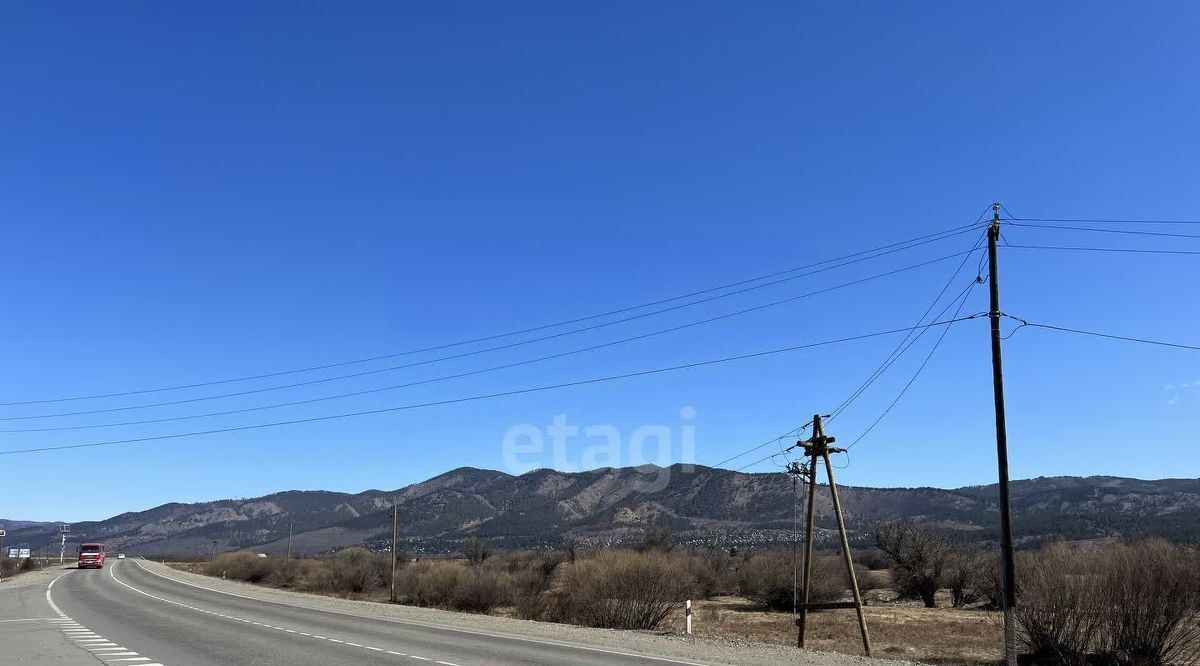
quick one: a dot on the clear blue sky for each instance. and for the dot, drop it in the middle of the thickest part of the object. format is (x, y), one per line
(195, 192)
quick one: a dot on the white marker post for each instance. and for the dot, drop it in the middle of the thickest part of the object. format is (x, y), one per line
(687, 614)
(62, 549)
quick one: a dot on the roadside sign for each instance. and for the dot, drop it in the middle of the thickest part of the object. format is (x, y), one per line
(12, 552)
(24, 553)
(2, 533)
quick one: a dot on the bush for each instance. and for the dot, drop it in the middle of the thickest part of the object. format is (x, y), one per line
(657, 538)
(288, 573)
(714, 571)
(317, 578)
(242, 566)
(969, 578)
(355, 570)
(452, 586)
(767, 579)
(529, 585)
(618, 590)
(479, 591)
(1152, 603)
(873, 559)
(1133, 605)
(1060, 609)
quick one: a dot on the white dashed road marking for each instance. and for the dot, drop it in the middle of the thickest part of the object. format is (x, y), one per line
(113, 573)
(85, 638)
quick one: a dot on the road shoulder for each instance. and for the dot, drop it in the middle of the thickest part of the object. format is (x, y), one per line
(29, 629)
(708, 650)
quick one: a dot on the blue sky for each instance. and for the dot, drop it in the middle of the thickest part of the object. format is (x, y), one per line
(197, 192)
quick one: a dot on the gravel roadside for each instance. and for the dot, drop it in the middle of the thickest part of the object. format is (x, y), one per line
(709, 650)
(30, 578)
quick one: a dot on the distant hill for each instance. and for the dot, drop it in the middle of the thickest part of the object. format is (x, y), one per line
(6, 524)
(702, 505)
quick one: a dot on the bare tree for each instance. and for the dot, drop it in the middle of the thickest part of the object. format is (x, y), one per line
(476, 551)
(920, 558)
(657, 538)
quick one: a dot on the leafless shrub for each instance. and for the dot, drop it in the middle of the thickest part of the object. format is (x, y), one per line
(452, 586)
(286, 574)
(657, 538)
(1061, 608)
(355, 570)
(428, 583)
(968, 577)
(317, 578)
(618, 590)
(531, 584)
(767, 579)
(919, 557)
(1151, 595)
(243, 566)
(872, 558)
(1131, 605)
(479, 592)
(715, 571)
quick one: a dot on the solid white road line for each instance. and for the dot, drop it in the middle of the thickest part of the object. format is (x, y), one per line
(112, 572)
(431, 625)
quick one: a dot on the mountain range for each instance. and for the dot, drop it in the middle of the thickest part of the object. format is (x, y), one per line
(614, 506)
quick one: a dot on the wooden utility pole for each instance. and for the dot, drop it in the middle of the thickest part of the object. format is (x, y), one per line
(817, 449)
(395, 515)
(289, 544)
(1007, 567)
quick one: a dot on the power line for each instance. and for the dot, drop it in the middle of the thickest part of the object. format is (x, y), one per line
(452, 401)
(746, 467)
(1110, 336)
(791, 433)
(892, 357)
(1081, 220)
(873, 252)
(900, 351)
(469, 373)
(430, 361)
(1128, 232)
(895, 354)
(920, 369)
(1100, 249)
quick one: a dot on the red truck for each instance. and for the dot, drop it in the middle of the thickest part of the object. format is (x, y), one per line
(91, 555)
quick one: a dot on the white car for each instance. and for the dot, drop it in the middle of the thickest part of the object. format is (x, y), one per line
(120, 556)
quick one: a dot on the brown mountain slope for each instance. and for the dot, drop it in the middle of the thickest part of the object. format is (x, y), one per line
(608, 506)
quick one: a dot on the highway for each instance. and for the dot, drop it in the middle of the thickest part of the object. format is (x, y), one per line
(137, 614)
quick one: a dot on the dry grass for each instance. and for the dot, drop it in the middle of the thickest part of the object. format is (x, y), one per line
(903, 631)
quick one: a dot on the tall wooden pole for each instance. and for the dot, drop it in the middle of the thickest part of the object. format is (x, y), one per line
(395, 516)
(1006, 539)
(841, 523)
(802, 621)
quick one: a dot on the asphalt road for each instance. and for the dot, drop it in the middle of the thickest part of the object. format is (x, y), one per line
(128, 614)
